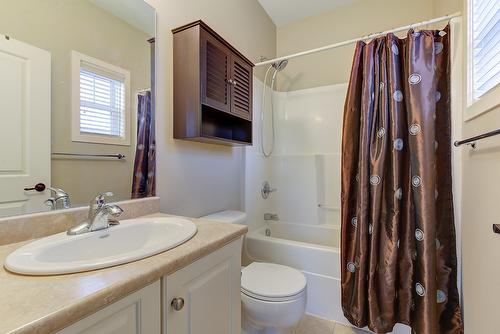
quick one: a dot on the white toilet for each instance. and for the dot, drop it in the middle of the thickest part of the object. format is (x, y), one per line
(273, 296)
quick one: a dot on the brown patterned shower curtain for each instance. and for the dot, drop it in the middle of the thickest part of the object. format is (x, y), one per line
(398, 237)
(144, 177)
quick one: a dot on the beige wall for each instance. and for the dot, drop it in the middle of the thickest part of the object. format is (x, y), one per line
(481, 209)
(60, 26)
(193, 178)
(445, 7)
(347, 22)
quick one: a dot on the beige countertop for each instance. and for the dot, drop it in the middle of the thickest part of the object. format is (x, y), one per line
(44, 304)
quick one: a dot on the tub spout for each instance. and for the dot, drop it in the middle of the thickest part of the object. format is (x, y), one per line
(271, 216)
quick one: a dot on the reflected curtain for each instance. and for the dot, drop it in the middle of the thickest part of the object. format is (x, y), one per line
(143, 184)
(398, 238)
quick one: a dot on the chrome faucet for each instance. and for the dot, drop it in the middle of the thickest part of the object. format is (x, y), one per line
(271, 216)
(59, 200)
(101, 216)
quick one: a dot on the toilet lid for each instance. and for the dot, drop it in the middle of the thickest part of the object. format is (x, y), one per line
(272, 280)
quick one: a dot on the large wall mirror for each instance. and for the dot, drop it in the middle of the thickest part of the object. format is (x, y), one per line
(76, 102)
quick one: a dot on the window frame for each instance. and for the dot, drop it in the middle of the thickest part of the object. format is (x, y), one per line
(76, 60)
(489, 100)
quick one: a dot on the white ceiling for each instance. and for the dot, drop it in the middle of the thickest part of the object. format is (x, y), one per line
(286, 11)
(137, 13)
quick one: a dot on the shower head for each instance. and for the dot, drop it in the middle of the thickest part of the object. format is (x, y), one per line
(280, 65)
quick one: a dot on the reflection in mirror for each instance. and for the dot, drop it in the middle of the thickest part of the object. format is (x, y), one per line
(76, 102)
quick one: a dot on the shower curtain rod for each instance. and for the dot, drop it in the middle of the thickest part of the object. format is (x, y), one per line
(351, 41)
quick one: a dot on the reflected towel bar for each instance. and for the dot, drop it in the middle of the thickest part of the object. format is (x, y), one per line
(472, 141)
(326, 207)
(118, 156)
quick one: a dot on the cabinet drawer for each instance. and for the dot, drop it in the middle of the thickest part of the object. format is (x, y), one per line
(138, 313)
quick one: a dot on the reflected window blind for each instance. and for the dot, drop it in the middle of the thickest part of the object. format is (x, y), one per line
(486, 45)
(102, 101)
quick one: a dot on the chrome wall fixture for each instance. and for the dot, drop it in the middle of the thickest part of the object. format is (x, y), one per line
(118, 156)
(472, 140)
(267, 190)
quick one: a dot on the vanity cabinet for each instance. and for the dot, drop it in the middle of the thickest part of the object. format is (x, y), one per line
(138, 313)
(201, 298)
(204, 297)
(212, 88)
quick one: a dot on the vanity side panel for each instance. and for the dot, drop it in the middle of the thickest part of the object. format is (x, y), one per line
(187, 104)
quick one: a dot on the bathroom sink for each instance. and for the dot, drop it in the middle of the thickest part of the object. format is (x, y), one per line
(132, 240)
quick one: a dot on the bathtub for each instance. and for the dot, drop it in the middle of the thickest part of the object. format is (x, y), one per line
(313, 249)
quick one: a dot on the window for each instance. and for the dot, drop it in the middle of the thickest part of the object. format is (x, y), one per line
(486, 45)
(484, 53)
(100, 101)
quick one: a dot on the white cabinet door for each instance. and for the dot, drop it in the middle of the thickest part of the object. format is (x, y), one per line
(210, 289)
(138, 313)
(24, 126)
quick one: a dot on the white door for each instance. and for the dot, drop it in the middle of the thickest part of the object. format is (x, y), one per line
(209, 291)
(24, 125)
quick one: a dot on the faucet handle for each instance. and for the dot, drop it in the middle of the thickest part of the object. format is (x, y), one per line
(97, 203)
(101, 198)
(57, 192)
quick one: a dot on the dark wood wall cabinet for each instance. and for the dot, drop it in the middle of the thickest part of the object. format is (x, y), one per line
(212, 88)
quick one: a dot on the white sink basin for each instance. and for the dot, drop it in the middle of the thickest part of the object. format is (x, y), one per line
(132, 240)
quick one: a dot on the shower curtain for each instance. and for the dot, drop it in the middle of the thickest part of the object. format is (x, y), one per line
(143, 183)
(398, 239)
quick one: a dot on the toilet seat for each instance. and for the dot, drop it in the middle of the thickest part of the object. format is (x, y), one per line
(272, 282)
(272, 299)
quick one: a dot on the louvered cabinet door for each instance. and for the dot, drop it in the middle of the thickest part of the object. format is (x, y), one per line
(241, 88)
(215, 71)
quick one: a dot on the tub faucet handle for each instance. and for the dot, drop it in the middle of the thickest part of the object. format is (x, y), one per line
(267, 190)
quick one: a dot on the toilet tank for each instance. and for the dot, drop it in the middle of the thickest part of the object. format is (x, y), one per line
(227, 216)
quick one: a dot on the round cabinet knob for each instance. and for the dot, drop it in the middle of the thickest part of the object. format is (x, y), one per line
(177, 303)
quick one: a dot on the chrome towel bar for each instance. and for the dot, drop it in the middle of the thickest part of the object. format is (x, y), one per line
(118, 156)
(472, 140)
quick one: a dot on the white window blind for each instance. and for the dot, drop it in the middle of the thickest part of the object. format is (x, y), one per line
(102, 101)
(486, 46)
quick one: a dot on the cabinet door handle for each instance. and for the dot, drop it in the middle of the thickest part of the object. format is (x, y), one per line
(177, 303)
(496, 228)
